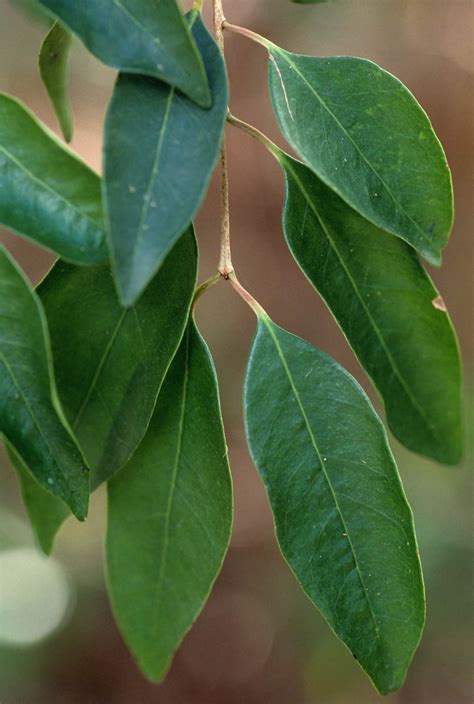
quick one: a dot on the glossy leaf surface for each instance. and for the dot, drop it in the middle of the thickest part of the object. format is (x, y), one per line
(46, 193)
(46, 512)
(110, 362)
(386, 306)
(170, 513)
(341, 517)
(158, 162)
(30, 415)
(363, 133)
(138, 36)
(53, 66)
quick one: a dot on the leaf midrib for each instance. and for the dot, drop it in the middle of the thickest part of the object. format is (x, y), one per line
(352, 282)
(268, 324)
(398, 205)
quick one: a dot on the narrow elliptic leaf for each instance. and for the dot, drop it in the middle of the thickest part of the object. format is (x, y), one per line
(110, 361)
(46, 193)
(53, 66)
(341, 517)
(170, 513)
(158, 162)
(30, 415)
(47, 513)
(139, 36)
(387, 307)
(364, 134)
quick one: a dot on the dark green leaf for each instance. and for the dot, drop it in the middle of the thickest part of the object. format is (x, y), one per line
(363, 133)
(170, 513)
(387, 307)
(139, 36)
(46, 193)
(341, 517)
(110, 361)
(53, 66)
(31, 418)
(47, 513)
(158, 162)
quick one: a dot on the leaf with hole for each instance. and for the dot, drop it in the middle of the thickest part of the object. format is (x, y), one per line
(170, 513)
(31, 417)
(110, 361)
(386, 306)
(46, 193)
(364, 134)
(341, 517)
(53, 66)
(158, 162)
(139, 36)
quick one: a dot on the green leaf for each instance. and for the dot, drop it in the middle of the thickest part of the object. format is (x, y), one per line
(31, 418)
(110, 361)
(342, 520)
(386, 306)
(158, 162)
(53, 66)
(170, 513)
(47, 513)
(139, 36)
(46, 193)
(363, 133)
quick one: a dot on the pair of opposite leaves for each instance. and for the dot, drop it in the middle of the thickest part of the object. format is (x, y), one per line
(388, 680)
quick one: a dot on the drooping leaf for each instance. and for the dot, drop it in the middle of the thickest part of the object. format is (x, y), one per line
(170, 513)
(341, 516)
(386, 306)
(363, 133)
(110, 361)
(46, 193)
(47, 513)
(139, 36)
(31, 418)
(53, 66)
(158, 162)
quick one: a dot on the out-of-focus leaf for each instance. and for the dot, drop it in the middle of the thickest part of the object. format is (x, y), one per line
(170, 513)
(160, 151)
(53, 66)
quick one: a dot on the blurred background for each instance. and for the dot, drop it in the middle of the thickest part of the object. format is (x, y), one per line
(259, 639)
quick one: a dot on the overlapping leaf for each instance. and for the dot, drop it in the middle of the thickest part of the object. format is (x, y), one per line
(341, 517)
(46, 193)
(138, 36)
(170, 513)
(53, 66)
(31, 418)
(160, 150)
(110, 362)
(386, 306)
(363, 133)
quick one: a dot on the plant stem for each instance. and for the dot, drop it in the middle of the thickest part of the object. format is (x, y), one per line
(202, 288)
(246, 296)
(247, 33)
(198, 5)
(255, 133)
(225, 267)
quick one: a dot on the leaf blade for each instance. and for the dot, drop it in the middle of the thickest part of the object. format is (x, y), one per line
(151, 190)
(53, 65)
(176, 496)
(342, 500)
(136, 36)
(383, 300)
(30, 416)
(47, 194)
(109, 385)
(363, 146)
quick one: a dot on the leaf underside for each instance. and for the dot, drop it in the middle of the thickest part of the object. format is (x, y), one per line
(170, 513)
(341, 517)
(384, 302)
(158, 162)
(363, 133)
(53, 66)
(29, 408)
